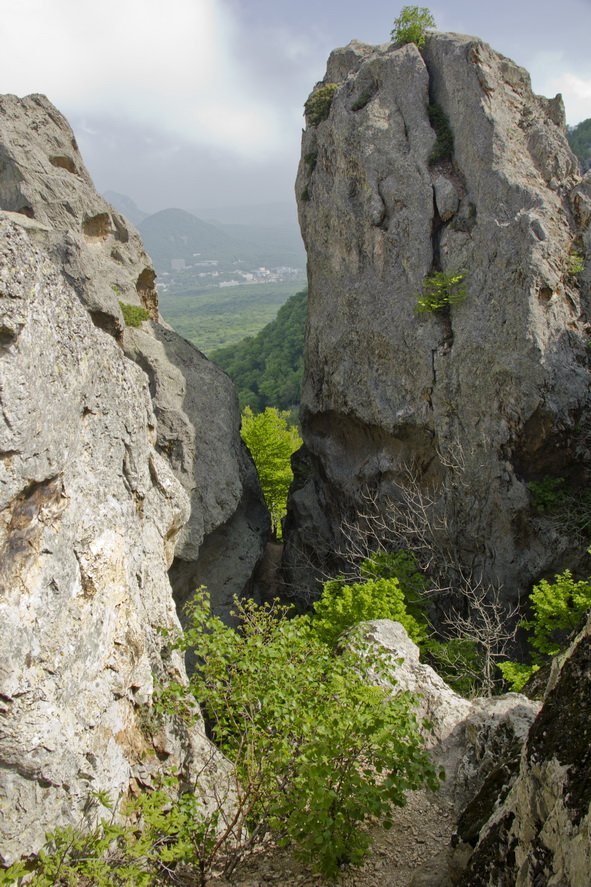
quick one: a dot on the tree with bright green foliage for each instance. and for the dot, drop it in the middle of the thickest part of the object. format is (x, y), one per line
(389, 588)
(271, 441)
(412, 25)
(558, 608)
(320, 749)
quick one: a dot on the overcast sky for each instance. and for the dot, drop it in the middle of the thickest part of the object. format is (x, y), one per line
(198, 103)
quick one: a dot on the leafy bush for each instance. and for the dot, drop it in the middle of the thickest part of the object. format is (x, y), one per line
(133, 315)
(317, 107)
(458, 661)
(412, 25)
(175, 832)
(342, 606)
(318, 749)
(517, 674)
(440, 290)
(444, 144)
(401, 565)
(575, 263)
(558, 608)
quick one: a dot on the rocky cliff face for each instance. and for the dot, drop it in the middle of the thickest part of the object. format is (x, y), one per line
(43, 178)
(120, 459)
(469, 404)
(535, 830)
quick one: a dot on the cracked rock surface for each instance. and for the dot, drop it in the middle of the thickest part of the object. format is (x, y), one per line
(493, 390)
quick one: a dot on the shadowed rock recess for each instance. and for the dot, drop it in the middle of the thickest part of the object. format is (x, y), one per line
(120, 458)
(481, 398)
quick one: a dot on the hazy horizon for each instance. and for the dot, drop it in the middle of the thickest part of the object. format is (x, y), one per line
(198, 104)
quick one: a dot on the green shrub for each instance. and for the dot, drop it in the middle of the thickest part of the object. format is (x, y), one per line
(318, 750)
(412, 25)
(547, 494)
(317, 107)
(440, 290)
(444, 143)
(575, 263)
(133, 315)
(363, 100)
(558, 607)
(458, 661)
(401, 565)
(342, 606)
(175, 833)
(516, 674)
(272, 442)
(310, 159)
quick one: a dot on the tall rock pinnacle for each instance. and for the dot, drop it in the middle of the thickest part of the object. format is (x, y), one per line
(443, 161)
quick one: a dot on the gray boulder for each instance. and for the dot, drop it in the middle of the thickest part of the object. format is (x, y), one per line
(476, 740)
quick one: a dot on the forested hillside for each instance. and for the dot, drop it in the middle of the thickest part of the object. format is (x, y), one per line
(267, 368)
(579, 138)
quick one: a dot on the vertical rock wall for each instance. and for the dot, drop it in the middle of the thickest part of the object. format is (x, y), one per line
(120, 461)
(43, 178)
(475, 401)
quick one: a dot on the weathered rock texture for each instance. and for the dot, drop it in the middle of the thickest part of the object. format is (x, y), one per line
(477, 741)
(89, 516)
(475, 401)
(43, 178)
(537, 833)
(120, 458)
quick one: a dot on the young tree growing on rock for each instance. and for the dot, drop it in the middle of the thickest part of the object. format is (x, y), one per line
(271, 442)
(412, 25)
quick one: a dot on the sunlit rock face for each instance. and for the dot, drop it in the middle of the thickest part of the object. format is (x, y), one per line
(123, 485)
(89, 516)
(477, 400)
(101, 255)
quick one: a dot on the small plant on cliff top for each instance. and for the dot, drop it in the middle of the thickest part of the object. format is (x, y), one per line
(412, 25)
(317, 107)
(133, 315)
(440, 290)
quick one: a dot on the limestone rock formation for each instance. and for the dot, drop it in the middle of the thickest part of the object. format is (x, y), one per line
(43, 178)
(535, 831)
(121, 469)
(89, 516)
(477, 400)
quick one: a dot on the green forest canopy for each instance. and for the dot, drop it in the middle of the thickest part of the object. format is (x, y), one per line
(267, 368)
(579, 138)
